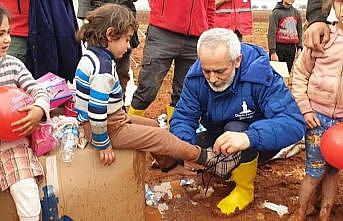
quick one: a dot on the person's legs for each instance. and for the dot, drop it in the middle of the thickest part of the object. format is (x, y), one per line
(308, 186)
(123, 66)
(286, 53)
(158, 55)
(243, 175)
(315, 167)
(329, 191)
(186, 57)
(26, 198)
(239, 35)
(290, 57)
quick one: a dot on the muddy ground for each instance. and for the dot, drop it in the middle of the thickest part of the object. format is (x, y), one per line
(276, 182)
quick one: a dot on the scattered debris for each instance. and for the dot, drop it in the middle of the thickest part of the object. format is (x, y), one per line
(162, 207)
(194, 203)
(186, 182)
(280, 209)
(163, 188)
(218, 185)
(162, 121)
(150, 198)
(178, 196)
(289, 151)
(154, 195)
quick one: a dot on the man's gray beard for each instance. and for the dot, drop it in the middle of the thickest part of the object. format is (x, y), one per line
(225, 86)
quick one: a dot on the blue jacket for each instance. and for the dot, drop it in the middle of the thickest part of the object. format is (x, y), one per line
(257, 96)
(51, 44)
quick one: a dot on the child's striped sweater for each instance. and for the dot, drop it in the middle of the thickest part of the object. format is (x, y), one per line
(13, 73)
(98, 92)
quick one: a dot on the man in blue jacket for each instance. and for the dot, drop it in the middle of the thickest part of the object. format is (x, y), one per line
(248, 111)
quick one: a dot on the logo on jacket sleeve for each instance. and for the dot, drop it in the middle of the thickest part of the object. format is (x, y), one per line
(245, 113)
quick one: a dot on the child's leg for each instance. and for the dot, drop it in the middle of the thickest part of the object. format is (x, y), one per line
(329, 190)
(26, 198)
(315, 168)
(154, 140)
(308, 187)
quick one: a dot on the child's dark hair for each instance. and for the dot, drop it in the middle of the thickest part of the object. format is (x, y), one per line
(4, 12)
(96, 23)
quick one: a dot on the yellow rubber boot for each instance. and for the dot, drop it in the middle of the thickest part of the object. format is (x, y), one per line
(170, 111)
(135, 112)
(243, 194)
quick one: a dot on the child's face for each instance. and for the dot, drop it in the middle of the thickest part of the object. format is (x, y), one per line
(288, 2)
(338, 6)
(119, 47)
(5, 38)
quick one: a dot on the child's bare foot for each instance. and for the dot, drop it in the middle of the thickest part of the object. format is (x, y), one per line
(297, 216)
(180, 170)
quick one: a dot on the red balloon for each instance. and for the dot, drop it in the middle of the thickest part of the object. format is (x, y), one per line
(11, 100)
(331, 145)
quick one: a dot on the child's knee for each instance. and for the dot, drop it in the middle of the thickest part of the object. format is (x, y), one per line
(26, 198)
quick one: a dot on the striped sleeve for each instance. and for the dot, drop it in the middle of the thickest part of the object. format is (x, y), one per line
(26, 82)
(101, 86)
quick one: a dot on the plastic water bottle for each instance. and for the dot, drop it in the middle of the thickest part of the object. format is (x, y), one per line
(150, 198)
(69, 143)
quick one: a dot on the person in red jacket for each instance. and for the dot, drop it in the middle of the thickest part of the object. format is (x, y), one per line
(172, 35)
(235, 15)
(19, 26)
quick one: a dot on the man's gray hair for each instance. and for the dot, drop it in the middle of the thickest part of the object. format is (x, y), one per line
(212, 38)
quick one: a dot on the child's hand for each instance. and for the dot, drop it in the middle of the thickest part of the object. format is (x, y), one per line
(107, 156)
(274, 57)
(298, 52)
(311, 120)
(28, 124)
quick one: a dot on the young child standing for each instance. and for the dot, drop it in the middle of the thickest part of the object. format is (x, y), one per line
(317, 88)
(18, 164)
(284, 33)
(107, 31)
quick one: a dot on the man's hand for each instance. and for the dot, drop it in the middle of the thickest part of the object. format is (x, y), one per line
(28, 124)
(274, 57)
(316, 36)
(311, 120)
(231, 142)
(107, 156)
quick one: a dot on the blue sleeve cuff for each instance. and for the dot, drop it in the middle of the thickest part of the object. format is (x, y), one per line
(253, 138)
(101, 141)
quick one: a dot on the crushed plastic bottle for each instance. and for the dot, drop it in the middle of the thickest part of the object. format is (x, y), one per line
(162, 121)
(150, 198)
(69, 142)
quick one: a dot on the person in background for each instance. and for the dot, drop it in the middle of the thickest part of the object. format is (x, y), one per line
(316, 87)
(51, 43)
(19, 166)
(123, 64)
(19, 28)
(235, 15)
(247, 109)
(172, 35)
(284, 33)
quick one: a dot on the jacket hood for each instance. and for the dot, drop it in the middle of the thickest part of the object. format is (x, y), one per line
(279, 5)
(255, 66)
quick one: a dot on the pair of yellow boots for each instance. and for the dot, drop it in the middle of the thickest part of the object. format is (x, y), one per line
(244, 175)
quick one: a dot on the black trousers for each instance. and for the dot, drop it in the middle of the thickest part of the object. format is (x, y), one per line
(161, 49)
(286, 53)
